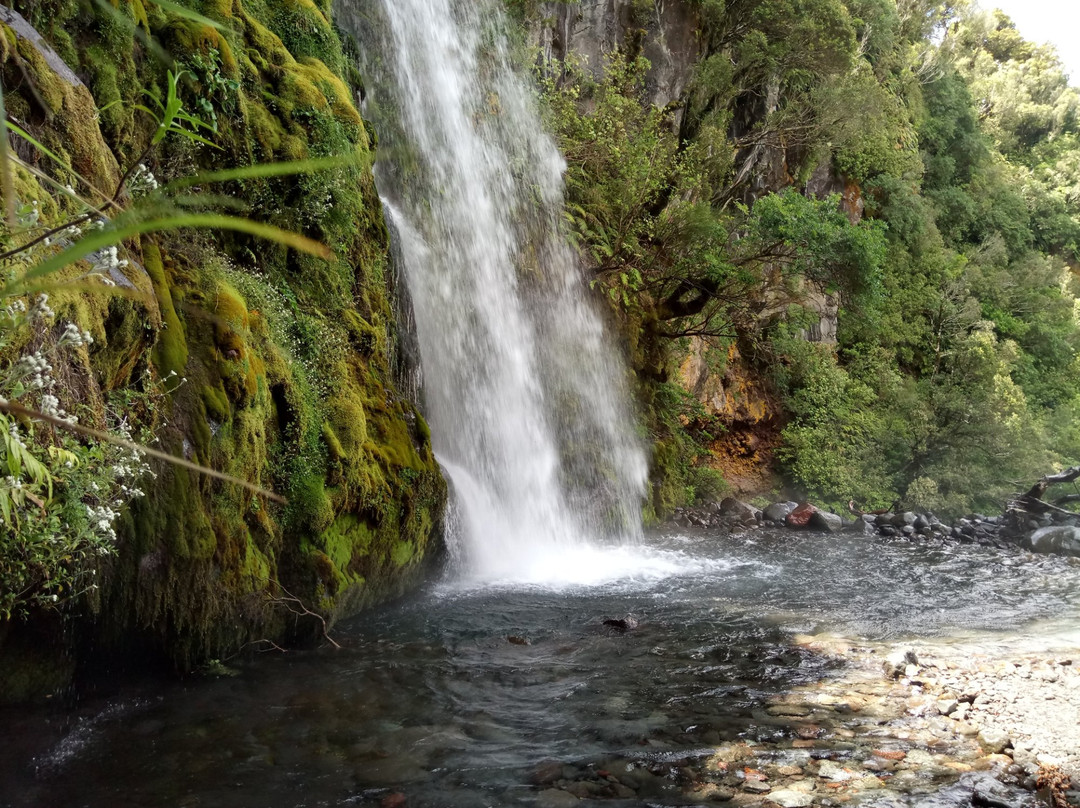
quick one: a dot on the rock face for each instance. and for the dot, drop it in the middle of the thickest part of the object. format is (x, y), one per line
(591, 29)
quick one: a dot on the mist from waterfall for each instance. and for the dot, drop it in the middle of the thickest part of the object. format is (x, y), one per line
(525, 394)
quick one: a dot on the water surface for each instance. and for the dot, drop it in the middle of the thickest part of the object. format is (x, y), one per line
(430, 697)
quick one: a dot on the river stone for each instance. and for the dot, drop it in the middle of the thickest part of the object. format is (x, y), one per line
(756, 787)
(823, 520)
(833, 771)
(994, 741)
(1064, 540)
(778, 511)
(896, 663)
(742, 512)
(789, 710)
(801, 516)
(556, 798)
(786, 798)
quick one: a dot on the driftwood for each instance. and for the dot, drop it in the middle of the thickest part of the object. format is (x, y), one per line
(1032, 500)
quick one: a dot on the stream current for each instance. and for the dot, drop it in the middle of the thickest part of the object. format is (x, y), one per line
(436, 698)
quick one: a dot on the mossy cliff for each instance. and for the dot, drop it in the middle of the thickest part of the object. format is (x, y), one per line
(246, 356)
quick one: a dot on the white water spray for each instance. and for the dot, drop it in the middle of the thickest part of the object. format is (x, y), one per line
(526, 399)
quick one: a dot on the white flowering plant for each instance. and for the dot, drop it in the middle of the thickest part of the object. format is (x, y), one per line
(59, 496)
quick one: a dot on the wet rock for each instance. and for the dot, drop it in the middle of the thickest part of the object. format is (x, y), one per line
(713, 793)
(556, 798)
(905, 519)
(756, 787)
(896, 663)
(988, 793)
(583, 789)
(513, 639)
(395, 800)
(546, 773)
(801, 516)
(779, 511)
(628, 623)
(620, 791)
(864, 528)
(994, 741)
(791, 710)
(787, 798)
(1062, 540)
(823, 520)
(742, 513)
(833, 772)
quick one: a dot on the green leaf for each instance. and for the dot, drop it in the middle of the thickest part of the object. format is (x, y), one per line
(91, 243)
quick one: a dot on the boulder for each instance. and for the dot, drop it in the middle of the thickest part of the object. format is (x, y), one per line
(864, 528)
(1064, 540)
(779, 511)
(830, 522)
(801, 516)
(741, 512)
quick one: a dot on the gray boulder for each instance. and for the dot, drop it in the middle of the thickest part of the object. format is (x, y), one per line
(823, 520)
(1063, 540)
(741, 512)
(779, 511)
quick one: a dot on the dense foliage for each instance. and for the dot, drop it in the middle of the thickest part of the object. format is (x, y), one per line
(916, 162)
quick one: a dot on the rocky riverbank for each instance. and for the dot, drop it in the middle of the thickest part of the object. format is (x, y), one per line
(1055, 532)
(951, 724)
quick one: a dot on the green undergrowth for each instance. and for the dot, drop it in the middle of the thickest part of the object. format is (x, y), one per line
(272, 365)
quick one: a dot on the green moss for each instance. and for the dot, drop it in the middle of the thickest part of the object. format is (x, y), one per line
(171, 351)
(217, 403)
(402, 553)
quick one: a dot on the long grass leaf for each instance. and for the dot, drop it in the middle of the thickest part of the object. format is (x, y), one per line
(56, 186)
(264, 170)
(93, 242)
(187, 14)
(18, 130)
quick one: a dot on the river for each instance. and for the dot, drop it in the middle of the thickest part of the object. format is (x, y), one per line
(459, 695)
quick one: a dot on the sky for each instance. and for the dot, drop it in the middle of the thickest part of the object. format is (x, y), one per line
(1054, 21)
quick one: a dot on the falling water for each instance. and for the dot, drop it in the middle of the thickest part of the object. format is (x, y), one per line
(525, 395)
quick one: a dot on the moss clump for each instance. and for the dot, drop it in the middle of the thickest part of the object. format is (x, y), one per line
(171, 351)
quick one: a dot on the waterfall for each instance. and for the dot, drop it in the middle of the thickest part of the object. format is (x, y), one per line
(526, 397)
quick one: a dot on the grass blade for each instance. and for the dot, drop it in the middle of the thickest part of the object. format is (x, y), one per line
(106, 238)
(264, 170)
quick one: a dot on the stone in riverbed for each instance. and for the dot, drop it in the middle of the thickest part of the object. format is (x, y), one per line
(801, 516)
(779, 511)
(742, 513)
(1062, 540)
(556, 798)
(823, 520)
(790, 710)
(834, 772)
(994, 741)
(756, 787)
(787, 798)
(896, 663)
